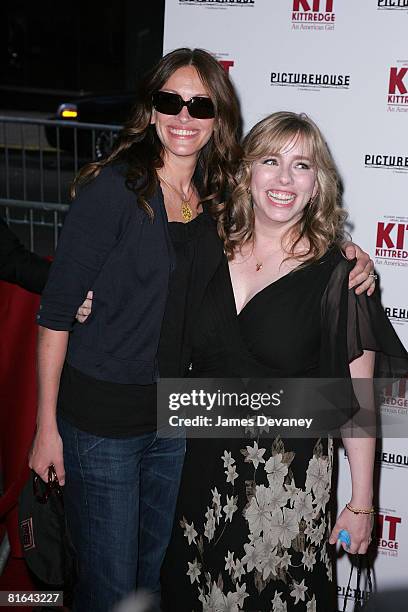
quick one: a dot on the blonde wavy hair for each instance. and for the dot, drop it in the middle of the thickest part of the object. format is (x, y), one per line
(322, 220)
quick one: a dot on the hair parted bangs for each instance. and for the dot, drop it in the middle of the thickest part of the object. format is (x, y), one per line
(323, 219)
(141, 150)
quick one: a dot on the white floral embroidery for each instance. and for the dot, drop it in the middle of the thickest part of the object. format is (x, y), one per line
(190, 533)
(313, 534)
(255, 455)
(227, 459)
(209, 515)
(209, 529)
(239, 570)
(250, 559)
(216, 599)
(309, 559)
(329, 570)
(241, 594)
(269, 565)
(293, 491)
(311, 605)
(276, 470)
(285, 560)
(278, 498)
(299, 590)
(230, 507)
(258, 512)
(230, 603)
(284, 526)
(317, 477)
(194, 570)
(304, 506)
(218, 514)
(277, 604)
(322, 496)
(231, 473)
(216, 500)
(229, 562)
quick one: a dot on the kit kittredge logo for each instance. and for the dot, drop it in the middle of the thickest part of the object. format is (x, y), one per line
(226, 64)
(387, 528)
(397, 97)
(313, 11)
(396, 394)
(390, 5)
(398, 163)
(310, 80)
(391, 245)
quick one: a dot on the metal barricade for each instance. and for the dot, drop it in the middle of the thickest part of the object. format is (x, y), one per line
(38, 161)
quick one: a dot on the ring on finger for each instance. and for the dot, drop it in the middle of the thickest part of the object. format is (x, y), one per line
(373, 275)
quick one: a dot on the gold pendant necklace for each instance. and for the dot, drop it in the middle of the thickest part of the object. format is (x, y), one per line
(259, 264)
(185, 208)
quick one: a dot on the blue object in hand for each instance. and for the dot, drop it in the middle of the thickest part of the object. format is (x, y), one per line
(344, 537)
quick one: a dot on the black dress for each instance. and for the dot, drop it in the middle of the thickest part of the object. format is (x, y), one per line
(252, 520)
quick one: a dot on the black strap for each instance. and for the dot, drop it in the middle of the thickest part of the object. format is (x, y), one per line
(358, 599)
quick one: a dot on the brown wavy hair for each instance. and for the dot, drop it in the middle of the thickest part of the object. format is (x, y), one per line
(140, 149)
(322, 220)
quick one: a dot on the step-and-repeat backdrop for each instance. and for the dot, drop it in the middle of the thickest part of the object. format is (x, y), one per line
(344, 63)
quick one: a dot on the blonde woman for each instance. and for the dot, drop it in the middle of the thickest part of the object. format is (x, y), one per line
(252, 522)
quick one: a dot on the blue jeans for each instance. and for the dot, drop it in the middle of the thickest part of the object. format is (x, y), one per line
(120, 497)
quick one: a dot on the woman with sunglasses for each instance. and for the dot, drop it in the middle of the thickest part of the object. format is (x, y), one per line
(138, 233)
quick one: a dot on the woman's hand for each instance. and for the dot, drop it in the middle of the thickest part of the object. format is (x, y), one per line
(85, 309)
(362, 276)
(46, 451)
(359, 526)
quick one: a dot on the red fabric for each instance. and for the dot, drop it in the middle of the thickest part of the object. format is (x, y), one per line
(18, 392)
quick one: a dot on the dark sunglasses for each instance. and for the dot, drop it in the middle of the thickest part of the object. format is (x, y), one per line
(168, 103)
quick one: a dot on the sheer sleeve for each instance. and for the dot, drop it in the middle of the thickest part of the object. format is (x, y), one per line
(353, 323)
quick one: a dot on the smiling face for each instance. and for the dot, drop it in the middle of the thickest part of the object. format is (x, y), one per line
(181, 135)
(283, 184)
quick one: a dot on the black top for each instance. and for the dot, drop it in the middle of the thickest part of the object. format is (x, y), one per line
(117, 410)
(18, 265)
(108, 244)
(315, 325)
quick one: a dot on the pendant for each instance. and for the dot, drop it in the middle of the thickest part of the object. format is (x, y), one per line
(259, 266)
(186, 211)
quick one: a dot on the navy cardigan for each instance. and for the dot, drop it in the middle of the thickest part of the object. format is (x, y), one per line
(108, 244)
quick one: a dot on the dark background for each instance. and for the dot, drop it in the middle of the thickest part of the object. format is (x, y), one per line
(52, 51)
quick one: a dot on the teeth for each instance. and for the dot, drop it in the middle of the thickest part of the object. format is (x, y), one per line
(282, 197)
(182, 132)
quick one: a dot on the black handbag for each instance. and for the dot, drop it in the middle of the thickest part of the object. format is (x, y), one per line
(360, 561)
(47, 546)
